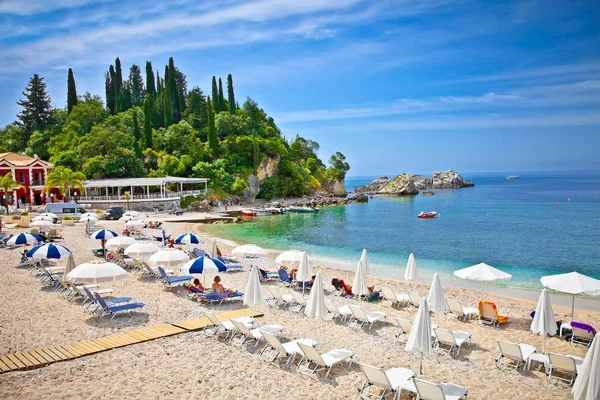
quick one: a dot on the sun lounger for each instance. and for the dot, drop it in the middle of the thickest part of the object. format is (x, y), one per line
(92, 301)
(334, 311)
(218, 327)
(170, 281)
(299, 302)
(198, 252)
(315, 362)
(275, 349)
(465, 313)
(518, 352)
(113, 310)
(566, 364)
(361, 317)
(404, 326)
(244, 333)
(439, 391)
(399, 299)
(582, 333)
(234, 267)
(488, 314)
(392, 381)
(414, 299)
(218, 298)
(453, 339)
(284, 277)
(279, 298)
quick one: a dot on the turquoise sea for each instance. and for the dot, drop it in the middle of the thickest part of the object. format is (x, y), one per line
(526, 227)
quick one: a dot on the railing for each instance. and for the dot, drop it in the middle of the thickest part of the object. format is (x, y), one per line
(138, 197)
(37, 183)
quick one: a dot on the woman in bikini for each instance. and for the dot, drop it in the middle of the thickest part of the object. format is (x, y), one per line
(218, 287)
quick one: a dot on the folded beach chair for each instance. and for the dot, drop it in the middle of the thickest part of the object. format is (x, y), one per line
(170, 281)
(515, 351)
(113, 310)
(453, 339)
(465, 313)
(274, 349)
(582, 333)
(279, 298)
(244, 333)
(563, 363)
(217, 327)
(488, 314)
(439, 391)
(94, 302)
(198, 252)
(334, 311)
(234, 268)
(299, 302)
(392, 381)
(414, 299)
(360, 317)
(404, 326)
(399, 299)
(315, 362)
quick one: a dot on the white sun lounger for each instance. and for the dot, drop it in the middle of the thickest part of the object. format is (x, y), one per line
(392, 381)
(415, 299)
(245, 333)
(315, 362)
(279, 298)
(218, 327)
(566, 364)
(453, 339)
(439, 391)
(299, 302)
(334, 311)
(516, 351)
(400, 299)
(404, 326)
(465, 313)
(275, 349)
(361, 317)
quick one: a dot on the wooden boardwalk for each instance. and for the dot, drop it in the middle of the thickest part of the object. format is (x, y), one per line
(29, 359)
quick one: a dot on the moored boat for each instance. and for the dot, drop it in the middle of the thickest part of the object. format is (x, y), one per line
(428, 193)
(431, 214)
(512, 177)
(249, 213)
(303, 209)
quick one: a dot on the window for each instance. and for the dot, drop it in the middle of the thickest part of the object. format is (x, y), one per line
(68, 211)
(80, 210)
(21, 177)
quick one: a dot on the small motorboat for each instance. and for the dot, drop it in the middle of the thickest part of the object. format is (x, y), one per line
(511, 177)
(303, 209)
(430, 214)
(249, 213)
(429, 193)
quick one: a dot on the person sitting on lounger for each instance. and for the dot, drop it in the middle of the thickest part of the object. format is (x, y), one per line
(196, 283)
(293, 274)
(373, 294)
(218, 287)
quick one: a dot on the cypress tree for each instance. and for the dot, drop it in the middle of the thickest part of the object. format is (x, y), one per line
(213, 137)
(173, 92)
(159, 84)
(126, 98)
(71, 91)
(221, 98)
(150, 86)
(136, 85)
(37, 112)
(215, 94)
(110, 91)
(137, 134)
(148, 120)
(118, 83)
(230, 95)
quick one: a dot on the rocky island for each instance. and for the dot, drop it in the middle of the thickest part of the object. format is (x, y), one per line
(410, 184)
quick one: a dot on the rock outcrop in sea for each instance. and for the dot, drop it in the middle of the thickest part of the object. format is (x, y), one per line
(410, 184)
(372, 187)
(400, 185)
(449, 179)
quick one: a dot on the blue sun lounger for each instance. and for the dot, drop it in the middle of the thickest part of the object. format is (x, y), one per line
(113, 310)
(169, 281)
(93, 302)
(214, 298)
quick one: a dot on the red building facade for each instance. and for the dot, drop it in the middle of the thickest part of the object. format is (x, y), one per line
(30, 173)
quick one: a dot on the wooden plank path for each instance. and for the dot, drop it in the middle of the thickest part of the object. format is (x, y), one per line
(30, 359)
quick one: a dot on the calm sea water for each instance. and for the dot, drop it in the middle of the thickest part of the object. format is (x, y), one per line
(515, 225)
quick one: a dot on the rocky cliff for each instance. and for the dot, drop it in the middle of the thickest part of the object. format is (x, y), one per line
(401, 185)
(373, 186)
(267, 168)
(449, 180)
(405, 184)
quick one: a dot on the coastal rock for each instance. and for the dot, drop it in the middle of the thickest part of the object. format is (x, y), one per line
(422, 182)
(359, 198)
(372, 187)
(267, 168)
(449, 179)
(252, 189)
(401, 185)
(339, 189)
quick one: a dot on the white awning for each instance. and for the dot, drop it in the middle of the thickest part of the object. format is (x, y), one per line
(124, 182)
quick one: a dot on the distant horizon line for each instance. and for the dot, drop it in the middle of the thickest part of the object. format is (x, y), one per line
(514, 172)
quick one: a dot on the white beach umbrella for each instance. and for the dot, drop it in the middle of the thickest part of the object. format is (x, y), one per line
(131, 213)
(96, 271)
(543, 321)
(51, 215)
(290, 258)
(315, 305)
(359, 285)
(42, 223)
(88, 218)
(252, 295)
(141, 249)
(364, 259)
(214, 250)
(88, 214)
(42, 218)
(119, 242)
(572, 283)
(419, 339)
(587, 384)
(436, 299)
(304, 273)
(482, 272)
(410, 274)
(70, 265)
(135, 224)
(168, 257)
(249, 250)
(127, 218)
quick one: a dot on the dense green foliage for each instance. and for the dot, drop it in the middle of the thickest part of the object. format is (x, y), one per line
(156, 127)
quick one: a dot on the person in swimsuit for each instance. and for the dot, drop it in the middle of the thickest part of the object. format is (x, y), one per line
(219, 288)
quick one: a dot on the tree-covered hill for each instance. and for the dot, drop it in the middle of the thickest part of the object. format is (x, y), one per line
(157, 127)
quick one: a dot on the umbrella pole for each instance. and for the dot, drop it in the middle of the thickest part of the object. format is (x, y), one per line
(544, 344)
(420, 364)
(572, 308)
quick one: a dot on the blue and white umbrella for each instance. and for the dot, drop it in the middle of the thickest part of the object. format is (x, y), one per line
(202, 265)
(22, 238)
(103, 234)
(188, 238)
(48, 250)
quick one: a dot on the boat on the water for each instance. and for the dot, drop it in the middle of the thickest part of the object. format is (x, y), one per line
(249, 213)
(430, 214)
(512, 177)
(303, 209)
(428, 193)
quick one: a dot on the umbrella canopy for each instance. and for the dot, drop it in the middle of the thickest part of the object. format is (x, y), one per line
(436, 299)
(141, 249)
(249, 250)
(103, 234)
(88, 214)
(135, 224)
(290, 258)
(252, 295)
(482, 272)
(364, 259)
(41, 223)
(315, 306)
(587, 384)
(42, 218)
(51, 215)
(572, 283)
(96, 271)
(127, 218)
(411, 269)
(419, 339)
(304, 273)
(359, 285)
(88, 218)
(543, 320)
(118, 242)
(22, 238)
(214, 250)
(202, 265)
(48, 250)
(188, 238)
(168, 257)
(131, 213)
(70, 266)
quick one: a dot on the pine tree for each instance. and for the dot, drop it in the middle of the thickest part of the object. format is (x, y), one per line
(150, 86)
(230, 95)
(137, 134)
(221, 98)
(173, 92)
(71, 91)
(213, 137)
(118, 84)
(196, 110)
(126, 98)
(37, 112)
(110, 91)
(136, 84)
(159, 85)
(148, 120)
(215, 95)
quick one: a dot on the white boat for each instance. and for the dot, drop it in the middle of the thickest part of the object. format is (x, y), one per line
(303, 209)
(512, 177)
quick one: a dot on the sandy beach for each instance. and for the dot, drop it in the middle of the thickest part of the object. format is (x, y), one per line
(192, 365)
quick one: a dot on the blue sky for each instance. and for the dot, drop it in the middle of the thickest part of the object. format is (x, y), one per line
(397, 86)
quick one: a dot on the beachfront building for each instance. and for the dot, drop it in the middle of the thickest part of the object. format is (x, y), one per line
(30, 173)
(124, 190)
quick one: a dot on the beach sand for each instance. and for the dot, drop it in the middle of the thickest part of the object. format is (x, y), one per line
(191, 365)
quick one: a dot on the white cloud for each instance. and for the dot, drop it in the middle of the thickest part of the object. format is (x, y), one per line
(33, 7)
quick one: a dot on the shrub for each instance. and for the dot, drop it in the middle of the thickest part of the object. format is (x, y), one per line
(99, 211)
(67, 218)
(187, 200)
(24, 213)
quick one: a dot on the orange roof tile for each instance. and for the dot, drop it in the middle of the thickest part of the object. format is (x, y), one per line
(20, 160)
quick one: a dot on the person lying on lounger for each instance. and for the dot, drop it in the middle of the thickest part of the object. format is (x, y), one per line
(196, 283)
(373, 294)
(218, 287)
